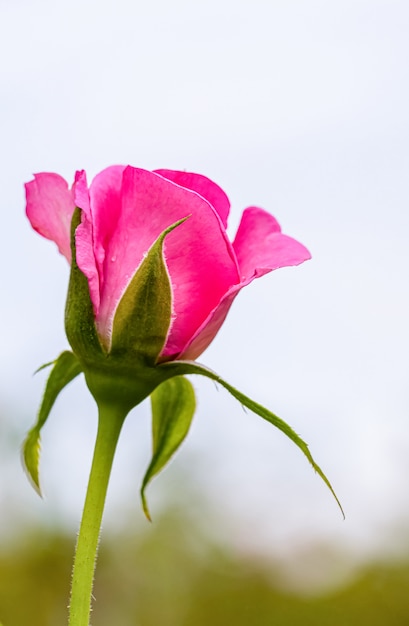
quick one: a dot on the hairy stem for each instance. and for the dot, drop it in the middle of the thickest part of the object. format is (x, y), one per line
(109, 428)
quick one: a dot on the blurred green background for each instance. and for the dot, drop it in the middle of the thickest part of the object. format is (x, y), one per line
(172, 574)
(188, 568)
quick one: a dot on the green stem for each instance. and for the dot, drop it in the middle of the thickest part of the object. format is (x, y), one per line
(109, 428)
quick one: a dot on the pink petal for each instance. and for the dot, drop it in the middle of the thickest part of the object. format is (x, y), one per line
(204, 187)
(106, 203)
(101, 207)
(50, 206)
(261, 247)
(84, 249)
(81, 193)
(210, 327)
(199, 256)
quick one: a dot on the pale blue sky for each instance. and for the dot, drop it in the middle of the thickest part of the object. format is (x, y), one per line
(300, 107)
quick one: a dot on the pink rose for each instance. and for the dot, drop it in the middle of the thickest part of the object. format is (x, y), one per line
(153, 276)
(125, 210)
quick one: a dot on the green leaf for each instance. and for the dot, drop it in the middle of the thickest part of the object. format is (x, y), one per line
(173, 407)
(65, 369)
(190, 367)
(79, 314)
(144, 313)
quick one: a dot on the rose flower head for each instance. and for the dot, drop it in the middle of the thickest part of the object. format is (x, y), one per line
(153, 276)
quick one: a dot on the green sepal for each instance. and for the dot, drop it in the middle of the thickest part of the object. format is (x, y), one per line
(40, 369)
(191, 367)
(143, 315)
(65, 369)
(79, 314)
(173, 407)
(124, 373)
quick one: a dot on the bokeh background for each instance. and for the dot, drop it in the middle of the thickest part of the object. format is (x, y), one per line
(298, 106)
